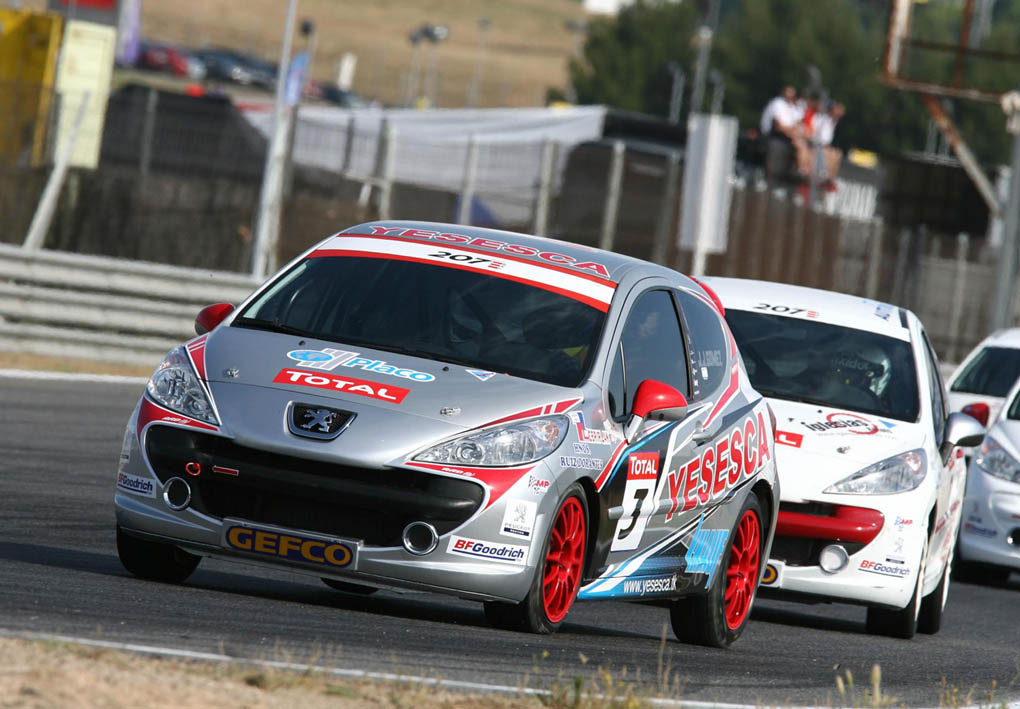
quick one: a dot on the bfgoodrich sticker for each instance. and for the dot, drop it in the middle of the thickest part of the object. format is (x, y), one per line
(492, 551)
(135, 485)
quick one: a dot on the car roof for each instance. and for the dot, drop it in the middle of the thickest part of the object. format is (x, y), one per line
(812, 303)
(1010, 337)
(616, 265)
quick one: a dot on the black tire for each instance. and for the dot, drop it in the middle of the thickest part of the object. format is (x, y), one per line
(346, 587)
(537, 613)
(929, 619)
(702, 619)
(900, 623)
(155, 561)
(983, 574)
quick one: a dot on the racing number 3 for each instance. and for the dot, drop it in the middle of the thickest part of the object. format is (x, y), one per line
(639, 500)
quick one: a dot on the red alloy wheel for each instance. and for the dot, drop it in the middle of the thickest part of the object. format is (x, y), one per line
(742, 572)
(563, 560)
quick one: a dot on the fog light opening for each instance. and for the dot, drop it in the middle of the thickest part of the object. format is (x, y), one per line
(177, 493)
(420, 538)
(1014, 537)
(833, 559)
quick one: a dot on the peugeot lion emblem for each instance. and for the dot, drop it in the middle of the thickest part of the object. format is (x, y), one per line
(319, 422)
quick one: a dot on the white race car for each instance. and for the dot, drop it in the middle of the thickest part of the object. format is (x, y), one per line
(979, 385)
(871, 475)
(989, 546)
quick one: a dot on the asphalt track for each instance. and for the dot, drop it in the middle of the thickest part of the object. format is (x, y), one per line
(59, 573)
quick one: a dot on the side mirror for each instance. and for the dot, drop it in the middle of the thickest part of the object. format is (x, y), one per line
(657, 401)
(977, 410)
(961, 430)
(210, 316)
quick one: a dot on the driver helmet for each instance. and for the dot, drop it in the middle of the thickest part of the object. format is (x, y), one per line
(867, 368)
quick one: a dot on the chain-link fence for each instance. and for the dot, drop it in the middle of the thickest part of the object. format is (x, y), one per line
(178, 182)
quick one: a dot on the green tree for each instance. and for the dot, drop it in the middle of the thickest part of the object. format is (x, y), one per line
(625, 59)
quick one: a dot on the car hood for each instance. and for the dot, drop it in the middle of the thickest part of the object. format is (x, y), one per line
(253, 381)
(817, 446)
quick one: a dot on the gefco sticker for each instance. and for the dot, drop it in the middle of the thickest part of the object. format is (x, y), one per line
(737, 455)
(290, 546)
(348, 385)
(491, 551)
(329, 359)
(495, 245)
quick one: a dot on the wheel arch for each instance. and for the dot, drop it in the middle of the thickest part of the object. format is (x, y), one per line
(591, 496)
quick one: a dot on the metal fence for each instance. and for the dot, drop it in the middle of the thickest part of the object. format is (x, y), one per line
(178, 184)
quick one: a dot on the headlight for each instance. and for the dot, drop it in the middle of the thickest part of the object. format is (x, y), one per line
(175, 385)
(513, 444)
(994, 460)
(897, 474)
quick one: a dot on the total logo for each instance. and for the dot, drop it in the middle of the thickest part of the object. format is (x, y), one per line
(348, 385)
(493, 551)
(876, 567)
(329, 359)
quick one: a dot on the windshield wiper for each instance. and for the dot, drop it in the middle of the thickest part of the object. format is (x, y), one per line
(270, 326)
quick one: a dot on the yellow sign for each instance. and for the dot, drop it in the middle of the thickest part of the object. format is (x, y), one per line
(84, 74)
(29, 42)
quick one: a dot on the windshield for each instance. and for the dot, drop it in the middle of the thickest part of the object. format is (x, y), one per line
(828, 365)
(991, 373)
(474, 319)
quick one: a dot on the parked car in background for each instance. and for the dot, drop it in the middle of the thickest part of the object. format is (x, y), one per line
(980, 384)
(871, 472)
(989, 547)
(500, 417)
(332, 93)
(156, 56)
(237, 67)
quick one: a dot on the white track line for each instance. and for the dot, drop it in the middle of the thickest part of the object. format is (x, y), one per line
(169, 652)
(70, 377)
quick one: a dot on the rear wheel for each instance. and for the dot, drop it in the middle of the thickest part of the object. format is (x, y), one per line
(557, 579)
(901, 623)
(718, 617)
(153, 560)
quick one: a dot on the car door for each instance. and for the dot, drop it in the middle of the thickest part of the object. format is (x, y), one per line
(650, 346)
(951, 469)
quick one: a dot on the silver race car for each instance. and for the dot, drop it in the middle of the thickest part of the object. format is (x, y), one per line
(501, 417)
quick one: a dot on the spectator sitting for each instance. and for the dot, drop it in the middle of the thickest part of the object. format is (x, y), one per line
(781, 124)
(825, 127)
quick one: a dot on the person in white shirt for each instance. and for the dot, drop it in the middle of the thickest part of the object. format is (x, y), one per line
(781, 124)
(825, 129)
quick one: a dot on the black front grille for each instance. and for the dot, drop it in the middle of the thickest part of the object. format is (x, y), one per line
(357, 503)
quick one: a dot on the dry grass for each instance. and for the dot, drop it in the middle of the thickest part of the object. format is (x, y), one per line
(528, 43)
(39, 674)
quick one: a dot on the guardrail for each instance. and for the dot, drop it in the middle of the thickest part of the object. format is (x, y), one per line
(74, 305)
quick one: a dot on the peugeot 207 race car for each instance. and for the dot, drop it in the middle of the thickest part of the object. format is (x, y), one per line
(979, 385)
(872, 476)
(502, 417)
(989, 546)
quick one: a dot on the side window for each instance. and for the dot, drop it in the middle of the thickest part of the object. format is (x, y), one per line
(616, 385)
(706, 343)
(652, 346)
(938, 402)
